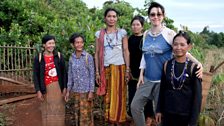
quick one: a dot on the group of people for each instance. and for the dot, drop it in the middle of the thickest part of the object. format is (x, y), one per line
(163, 78)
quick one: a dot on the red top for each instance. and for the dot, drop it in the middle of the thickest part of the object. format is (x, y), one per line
(50, 74)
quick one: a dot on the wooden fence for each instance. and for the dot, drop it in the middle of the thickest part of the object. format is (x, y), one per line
(16, 63)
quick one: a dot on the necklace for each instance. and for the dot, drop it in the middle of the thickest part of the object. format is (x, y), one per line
(110, 39)
(178, 82)
(155, 34)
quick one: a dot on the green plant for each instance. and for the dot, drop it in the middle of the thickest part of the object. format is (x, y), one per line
(218, 79)
(2, 120)
(206, 120)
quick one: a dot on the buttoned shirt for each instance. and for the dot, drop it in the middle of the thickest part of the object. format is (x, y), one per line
(81, 73)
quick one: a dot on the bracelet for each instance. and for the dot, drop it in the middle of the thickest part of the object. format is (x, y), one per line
(128, 70)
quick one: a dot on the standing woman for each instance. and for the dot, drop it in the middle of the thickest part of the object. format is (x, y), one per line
(50, 81)
(180, 90)
(156, 50)
(81, 81)
(112, 67)
(135, 49)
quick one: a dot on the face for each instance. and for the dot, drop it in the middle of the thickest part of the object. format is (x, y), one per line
(111, 18)
(156, 16)
(180, 46)
(78, 44)
(49, 46)
(136, 27)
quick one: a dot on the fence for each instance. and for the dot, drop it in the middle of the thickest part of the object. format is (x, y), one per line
(16, 63)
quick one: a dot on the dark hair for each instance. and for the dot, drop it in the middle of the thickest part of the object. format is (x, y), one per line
(110, 9)
(139, 18)
(156, 5)
(74, 36)
(47, 38)
(183, 34)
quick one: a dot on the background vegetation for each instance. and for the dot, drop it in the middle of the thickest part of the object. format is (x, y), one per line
(24, 22)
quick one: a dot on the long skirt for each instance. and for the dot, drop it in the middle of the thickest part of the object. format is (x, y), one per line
(116, 91)
(53, 107)
(82, 109)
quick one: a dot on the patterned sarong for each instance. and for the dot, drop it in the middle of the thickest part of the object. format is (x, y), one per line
(53, 107)
(82, 109)
(115, 98)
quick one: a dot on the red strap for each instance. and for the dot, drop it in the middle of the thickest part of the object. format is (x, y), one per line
(102, 88)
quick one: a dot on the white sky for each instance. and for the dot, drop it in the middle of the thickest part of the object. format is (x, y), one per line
(195, 14)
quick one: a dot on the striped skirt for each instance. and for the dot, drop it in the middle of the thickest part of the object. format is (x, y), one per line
(53, 107)
(82, 109)
(116, 91)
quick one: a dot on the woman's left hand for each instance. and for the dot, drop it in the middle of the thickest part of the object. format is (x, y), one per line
(127, 76)
(199, 73)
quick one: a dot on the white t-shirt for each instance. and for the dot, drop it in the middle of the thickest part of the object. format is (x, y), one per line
(113, 50)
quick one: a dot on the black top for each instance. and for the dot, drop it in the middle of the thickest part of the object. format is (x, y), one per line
(187, 100)
(134, 46)
(39, 69)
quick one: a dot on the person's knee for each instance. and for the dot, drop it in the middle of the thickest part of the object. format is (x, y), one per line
(134, 107)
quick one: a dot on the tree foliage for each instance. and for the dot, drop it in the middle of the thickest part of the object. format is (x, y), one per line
(24, 22)
(212, 38)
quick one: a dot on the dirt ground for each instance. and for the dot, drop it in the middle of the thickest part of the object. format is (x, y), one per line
(27, 113)
(24, 113)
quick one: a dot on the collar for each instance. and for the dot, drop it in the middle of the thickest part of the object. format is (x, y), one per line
(82, 54)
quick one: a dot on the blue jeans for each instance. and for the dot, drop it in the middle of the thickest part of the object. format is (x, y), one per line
(146, 91)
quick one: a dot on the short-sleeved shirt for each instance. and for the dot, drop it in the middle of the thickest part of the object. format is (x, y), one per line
(113, 51)
(156, 50)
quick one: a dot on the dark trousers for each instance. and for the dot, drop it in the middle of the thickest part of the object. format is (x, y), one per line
(148, 110)
(175, 120)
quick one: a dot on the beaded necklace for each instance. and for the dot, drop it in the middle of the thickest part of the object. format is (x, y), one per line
(178, 82)
(110, 39)
(155, 34)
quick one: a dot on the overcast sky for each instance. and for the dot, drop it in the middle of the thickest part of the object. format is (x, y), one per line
(195, 14)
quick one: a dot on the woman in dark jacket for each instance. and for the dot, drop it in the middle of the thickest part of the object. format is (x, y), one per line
(180, 90)
(50, 81)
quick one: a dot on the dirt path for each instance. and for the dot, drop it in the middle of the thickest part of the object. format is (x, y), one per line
(24, 113)
(27, 113)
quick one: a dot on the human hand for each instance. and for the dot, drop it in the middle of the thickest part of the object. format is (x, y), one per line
(158, 118)
(40, 96)
(199, 73)
(64, 92)
(98, 78)
(66, 96)
(140, 81)
(131, 76)
(90, 96)
(127, 77)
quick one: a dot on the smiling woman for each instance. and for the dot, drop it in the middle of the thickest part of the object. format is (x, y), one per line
(81, 81)
(179, 82)
(49, 75)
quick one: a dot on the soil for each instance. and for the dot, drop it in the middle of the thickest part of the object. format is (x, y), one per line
(27, 113)
(23, 113)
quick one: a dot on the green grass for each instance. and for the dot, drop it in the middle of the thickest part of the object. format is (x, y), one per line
(2, 120)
